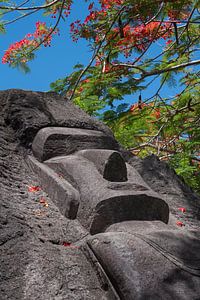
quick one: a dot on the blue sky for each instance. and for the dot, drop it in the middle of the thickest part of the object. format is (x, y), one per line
(53, 62)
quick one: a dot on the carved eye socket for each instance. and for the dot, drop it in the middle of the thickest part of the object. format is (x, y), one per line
(115, 168)
(109, 163)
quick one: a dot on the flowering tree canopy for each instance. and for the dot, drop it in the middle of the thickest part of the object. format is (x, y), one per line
(135, 43)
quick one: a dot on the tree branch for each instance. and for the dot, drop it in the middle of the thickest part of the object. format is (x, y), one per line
(20, 17)
(51, 31)
(19, 8)
(95, 53)
(171, 69)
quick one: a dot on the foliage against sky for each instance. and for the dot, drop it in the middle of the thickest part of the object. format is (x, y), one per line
(135, 43)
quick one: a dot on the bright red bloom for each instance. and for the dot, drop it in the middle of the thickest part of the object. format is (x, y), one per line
(33, 188)
(66, 244)
(109, 3)
(137, 106)
(169, 42)
(179, 223)
(19, 50)
(157, 113)
(14, 49)
(86, 80)
(141, 35)
(182, 209)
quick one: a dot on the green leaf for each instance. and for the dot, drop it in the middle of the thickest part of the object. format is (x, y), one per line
(23, 67)
(78, 66)
(2, 28)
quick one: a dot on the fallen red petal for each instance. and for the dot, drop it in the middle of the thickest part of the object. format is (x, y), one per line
(44, 202)
(182, 209)
(66, 244)
(34, 188)
(179, 223)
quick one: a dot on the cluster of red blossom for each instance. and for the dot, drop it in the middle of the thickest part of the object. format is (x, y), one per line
(66, 10)
(41, 32)
(87, 80)
(11, 54)
(140, 35)
(155, 112)
(109, 3)
(76, 27)
(137, 36)
(19, 50)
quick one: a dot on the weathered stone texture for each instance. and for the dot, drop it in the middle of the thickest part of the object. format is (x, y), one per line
(103, 232)
(102, 205)
(27, 112)
(34, 264)
(55, 141)
(109, 163)
(150, 266)
(65, 196)
(162, 179)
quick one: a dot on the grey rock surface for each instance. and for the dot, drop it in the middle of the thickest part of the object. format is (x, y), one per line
(162, 179)
(28, 111)
(34, 261)
(46, 248)
(134, 262)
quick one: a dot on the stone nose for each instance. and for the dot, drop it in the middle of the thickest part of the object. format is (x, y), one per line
(109, 163)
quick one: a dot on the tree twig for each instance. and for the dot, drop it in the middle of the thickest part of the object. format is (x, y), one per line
(95, 54)
(19, 8)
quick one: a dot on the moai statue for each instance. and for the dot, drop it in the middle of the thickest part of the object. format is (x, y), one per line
(131, 239)
(103, 188)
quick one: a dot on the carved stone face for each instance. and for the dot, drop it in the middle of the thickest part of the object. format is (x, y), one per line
(79, 162)
(104, 189)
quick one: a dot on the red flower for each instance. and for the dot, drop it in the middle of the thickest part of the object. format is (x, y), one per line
(90, 7)
(182, 209)
(33, 188)
(169, 42)
(157, 113)
(137, 106)
(66, 244)
(179, 223)
(44, 202)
